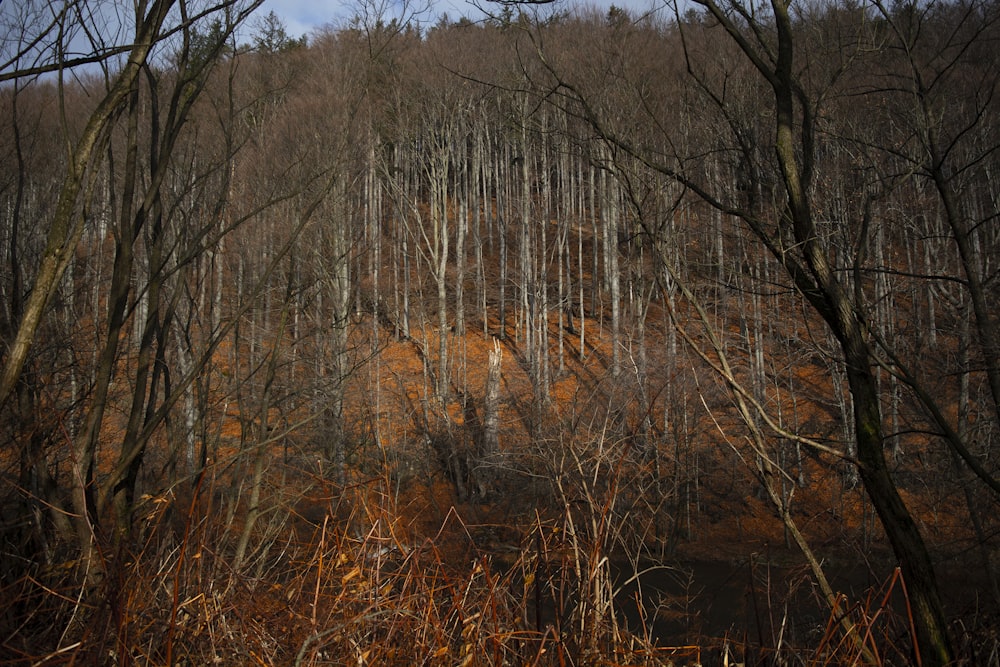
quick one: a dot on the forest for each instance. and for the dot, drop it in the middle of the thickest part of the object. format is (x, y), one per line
(548, 336)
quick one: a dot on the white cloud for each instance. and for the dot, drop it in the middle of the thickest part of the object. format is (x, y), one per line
(301, 17)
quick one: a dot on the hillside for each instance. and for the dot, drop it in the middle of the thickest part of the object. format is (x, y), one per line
(555, 338)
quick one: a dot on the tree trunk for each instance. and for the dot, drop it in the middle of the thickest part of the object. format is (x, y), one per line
(66, 229)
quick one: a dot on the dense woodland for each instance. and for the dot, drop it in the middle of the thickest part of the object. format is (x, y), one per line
(416, 340)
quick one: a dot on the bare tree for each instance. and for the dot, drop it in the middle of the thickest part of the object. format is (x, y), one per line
(66, 227)
(766, 48)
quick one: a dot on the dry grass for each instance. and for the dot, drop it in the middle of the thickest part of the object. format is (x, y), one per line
(318, 593)
(395, 569)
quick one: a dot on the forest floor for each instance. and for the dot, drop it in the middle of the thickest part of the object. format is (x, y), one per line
(725, 573)
(574, 550)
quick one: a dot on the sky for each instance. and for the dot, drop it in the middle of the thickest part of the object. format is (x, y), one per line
(301, 17)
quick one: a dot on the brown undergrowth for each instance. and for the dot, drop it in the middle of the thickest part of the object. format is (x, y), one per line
(330, 589)
(351, 579)
(548, 565)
